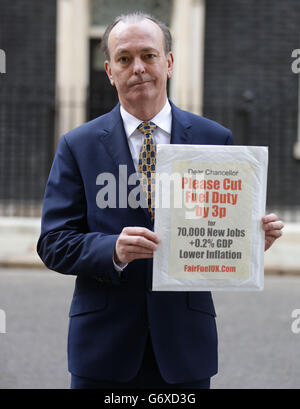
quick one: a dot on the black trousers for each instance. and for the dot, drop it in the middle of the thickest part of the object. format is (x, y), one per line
(148, 377)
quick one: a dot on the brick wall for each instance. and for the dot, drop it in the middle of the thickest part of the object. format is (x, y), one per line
(27, 34)
(249, 85)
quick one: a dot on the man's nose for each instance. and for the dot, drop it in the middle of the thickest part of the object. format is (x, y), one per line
(138, 67)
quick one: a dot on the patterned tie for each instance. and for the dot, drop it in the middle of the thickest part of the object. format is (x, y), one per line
(147, 160)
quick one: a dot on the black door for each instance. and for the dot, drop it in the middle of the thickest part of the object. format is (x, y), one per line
(102, 97)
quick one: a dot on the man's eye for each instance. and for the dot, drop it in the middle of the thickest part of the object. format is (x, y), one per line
(124, 60)
(150, 56)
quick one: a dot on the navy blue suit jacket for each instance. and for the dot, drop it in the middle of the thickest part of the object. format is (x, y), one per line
(110, 316)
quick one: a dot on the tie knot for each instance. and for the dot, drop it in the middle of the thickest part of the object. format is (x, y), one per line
(147, 127)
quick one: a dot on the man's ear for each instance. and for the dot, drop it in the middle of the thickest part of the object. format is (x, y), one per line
(170, 64)
(108, 72)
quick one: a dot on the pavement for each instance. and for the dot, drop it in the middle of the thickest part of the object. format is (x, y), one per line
(18, 241)
(257, 347)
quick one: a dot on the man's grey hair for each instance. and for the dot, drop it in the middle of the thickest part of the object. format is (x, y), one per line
(136, 18)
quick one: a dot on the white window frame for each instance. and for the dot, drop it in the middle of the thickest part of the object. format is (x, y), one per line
(74, 32)
(188, 28)
(72, 64)
(297, 144)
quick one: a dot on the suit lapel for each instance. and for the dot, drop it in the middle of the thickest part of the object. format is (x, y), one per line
(114, 137)
(180, 126)
(115, 141)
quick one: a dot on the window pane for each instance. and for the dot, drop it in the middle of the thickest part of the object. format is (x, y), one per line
(103, 12)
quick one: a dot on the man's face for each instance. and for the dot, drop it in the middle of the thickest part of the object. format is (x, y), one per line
(138, 66)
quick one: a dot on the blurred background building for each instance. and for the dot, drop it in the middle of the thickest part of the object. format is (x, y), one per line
(232, 64)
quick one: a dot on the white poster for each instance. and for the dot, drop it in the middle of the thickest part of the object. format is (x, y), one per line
(209, 202)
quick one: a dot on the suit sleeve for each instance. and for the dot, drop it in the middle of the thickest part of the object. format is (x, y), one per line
(229, 140)
(65, 244)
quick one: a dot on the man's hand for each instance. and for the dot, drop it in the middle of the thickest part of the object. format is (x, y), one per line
(135, 243)
(273, 229)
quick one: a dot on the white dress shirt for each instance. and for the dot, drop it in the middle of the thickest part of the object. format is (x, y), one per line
(162, 135)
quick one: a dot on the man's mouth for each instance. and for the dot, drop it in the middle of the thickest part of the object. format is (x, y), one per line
(141, 82)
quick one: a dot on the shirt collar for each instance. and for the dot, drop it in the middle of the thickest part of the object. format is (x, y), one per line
(163, 120)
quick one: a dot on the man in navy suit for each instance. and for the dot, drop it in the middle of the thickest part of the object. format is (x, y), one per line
(122, 334)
